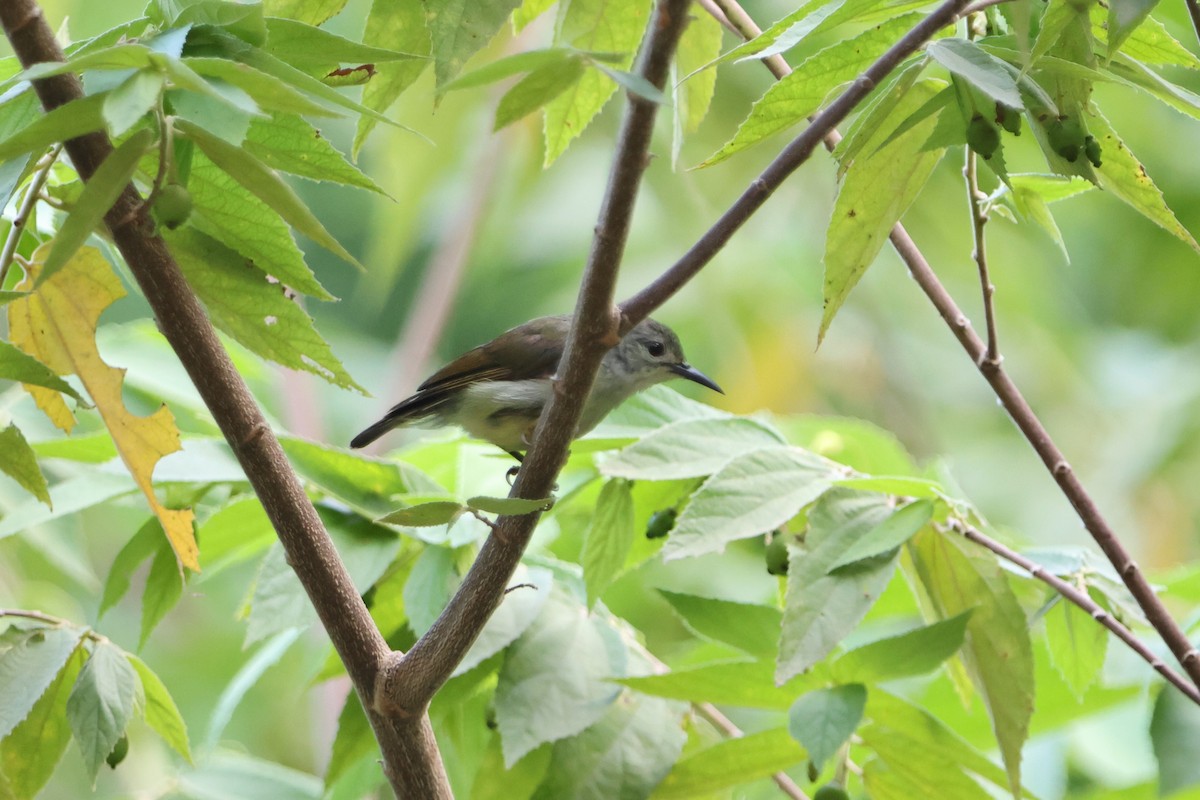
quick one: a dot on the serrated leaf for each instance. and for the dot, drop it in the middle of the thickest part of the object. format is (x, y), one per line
(746, 626)
(160, 711)
(730, 763)
(509, 505)
(535, 90)
(139, 548)
(998, 655)
(1124, 16)
(979, 68)
(915, 652)
(606, 26)
(889, 534)
(225, 112)
(16, 365)
(1174, 728)
(399, 25)
(608, 539)
(28, 667)
(29, 754)
(125, 56)
(806, 89)
(243, 20)
(368, 485)
(820, 609)
(164, 586)
(823, 720)
(528, 61)
(531, 588)
(429, 587)
(97, 197)
(1123, 175)
(623, 755)
(750, 684)
(700, 44)
(253, 311)
(876, 192)
(314, 12)
(65, 122)
(1058, 15)
(19, 462)
(690, 448)
(268, 92)
(57, 322)
(69, 496)
(132, 100)
(287, 143)
(459, 28)
(1077, 644)
(264, 183)
(438, 512)
(752, 494)
(1149, 42)
(315, 49)
(101, 703)
(553, 682)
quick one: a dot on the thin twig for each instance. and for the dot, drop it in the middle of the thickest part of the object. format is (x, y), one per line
(1021, 413)
(1193, 8)
(407, 682)
(1081, 599)
(25, 211)
(642, 304)
(725, 725)
(979, 220)
(982, 5)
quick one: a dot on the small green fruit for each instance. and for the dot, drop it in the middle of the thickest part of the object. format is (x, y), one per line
(777, 555)
(1008, 118)
(661, 523)
(173, 205)
(831, 791)
(119, 751)
(982, 136)
(1091, 148)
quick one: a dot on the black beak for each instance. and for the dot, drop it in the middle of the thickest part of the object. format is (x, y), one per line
(686, 370)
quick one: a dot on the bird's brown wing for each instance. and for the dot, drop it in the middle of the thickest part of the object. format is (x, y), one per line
(526, 352)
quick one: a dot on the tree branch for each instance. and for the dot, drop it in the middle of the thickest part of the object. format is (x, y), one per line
(1081, 599)
(1193, 8)
(642, 304)
(25, 212)
(409, 681)
(979, 253)
(411, 760)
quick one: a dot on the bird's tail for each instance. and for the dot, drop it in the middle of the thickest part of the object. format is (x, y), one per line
(375, 431)
(413, 409)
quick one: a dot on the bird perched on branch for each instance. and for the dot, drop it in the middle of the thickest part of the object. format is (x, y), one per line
(497, 391)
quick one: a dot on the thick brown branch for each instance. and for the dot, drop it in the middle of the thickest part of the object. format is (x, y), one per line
(642, 304)
(410, 680)
(411, 759)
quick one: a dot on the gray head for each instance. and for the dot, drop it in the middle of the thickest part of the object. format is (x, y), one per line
(650, 354)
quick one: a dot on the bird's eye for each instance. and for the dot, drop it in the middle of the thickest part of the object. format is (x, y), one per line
(655, 349)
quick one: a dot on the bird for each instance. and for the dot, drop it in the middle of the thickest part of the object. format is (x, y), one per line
(497, 391)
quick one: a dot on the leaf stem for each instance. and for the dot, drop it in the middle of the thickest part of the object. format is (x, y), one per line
(26, 211)
(979, 218)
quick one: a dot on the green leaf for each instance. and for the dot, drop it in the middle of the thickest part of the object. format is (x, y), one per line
(732, 683)
(1174, 730)
(701, 43)
(690, 448)
(876, 192)
(438, 512)
(266, 185)
(243, 680)
(399, 25)
(65, 122)
(889, 534)
(1059, 14)
(368, 485)
(353, 741)
(140, 547)
(314, 12)
(101, 703)
(823, 720)
(894, 485)
(69, 497)
(235, 533)
(132, 100)
(29, 666)
(287, 143)
(748, 627)
(1149, 42)
(253, 311)
(754, 493)
(528, 61)
(29, 754)
(915, 652)
(606, 26)
(164, 586)
(1077, 645)
(243, 20)
(530, 588)
(1124, 16)
(554, 680)
(18, 461)
(98, 196)
(982, 70)
(623, 755)
(513, 506)
(1031, 194)
(123, 56)
(1123, 175)
(16, 365)
(268, 92)
(811, 84)
(160, 712)
(956, 578)
(730, 763)
(609, 538)
(429, 587)
(633, 83)
(459, 28)
(821, 608)
(535, 90)
(225, 112)
(314, 49)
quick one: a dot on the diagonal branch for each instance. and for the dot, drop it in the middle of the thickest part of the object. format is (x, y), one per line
(411, 759)
(409, 681)
(1015, 403)
(979, 220)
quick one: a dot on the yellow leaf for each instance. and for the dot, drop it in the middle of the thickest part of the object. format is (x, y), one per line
(56, 323)
(24, 328)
